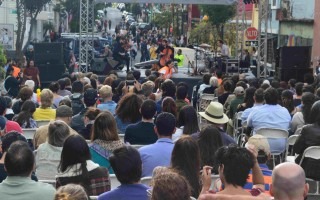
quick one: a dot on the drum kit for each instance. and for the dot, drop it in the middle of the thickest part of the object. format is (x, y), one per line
(205, 57)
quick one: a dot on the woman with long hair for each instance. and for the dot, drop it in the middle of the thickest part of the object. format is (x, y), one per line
(287, 101)
(187, 122)
(11, 83)
(77, 167)
(128, 111)
(54, 87)
(185, 160)
(209, 142)
(89, 117)
(104, 139)
(248, 100)
(24, 118)
(303, 117)
(25, 94)
(169, 105)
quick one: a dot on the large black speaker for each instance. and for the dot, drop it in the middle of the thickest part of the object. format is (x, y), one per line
(298, 57)
(50, 72)
(285, 74)
(48, 53)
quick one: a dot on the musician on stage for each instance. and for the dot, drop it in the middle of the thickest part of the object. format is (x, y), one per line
(165, 52)
(224, 50)
(179, 57)
(167, 71)
(120, 53)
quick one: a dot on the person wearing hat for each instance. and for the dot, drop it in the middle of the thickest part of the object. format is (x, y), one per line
(262, 147)
(239, 93)
(107, 104)
(63, 113)
(215, 116)
(90, 97)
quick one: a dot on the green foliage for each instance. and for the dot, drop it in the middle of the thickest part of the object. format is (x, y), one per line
(218, 14)
(163, 20)
(35, 6)
(3, 58)
(135, 9)
(72, 6)
(201, 33)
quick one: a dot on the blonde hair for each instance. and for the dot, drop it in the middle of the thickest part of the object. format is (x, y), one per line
(105, 91)
(71, 192)
(46, 98)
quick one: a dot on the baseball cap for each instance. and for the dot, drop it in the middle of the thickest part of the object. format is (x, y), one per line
(90, 96)
(238, 90)
(12, 126)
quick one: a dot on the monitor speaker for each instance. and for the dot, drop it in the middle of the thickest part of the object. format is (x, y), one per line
(48, 53)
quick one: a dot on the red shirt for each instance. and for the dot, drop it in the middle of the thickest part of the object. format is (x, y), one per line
(32, 71)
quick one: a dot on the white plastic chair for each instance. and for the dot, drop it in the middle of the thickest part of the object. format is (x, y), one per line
(291, 141)
(314, 153)
(277, 139)
(93, 197)
(29, 133)
(114, 181)
(236, 121)
(51, 182)
(146, 180)
(137, 146)
(42, 122)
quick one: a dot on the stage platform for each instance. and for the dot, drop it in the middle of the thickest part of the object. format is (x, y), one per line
(181, 76)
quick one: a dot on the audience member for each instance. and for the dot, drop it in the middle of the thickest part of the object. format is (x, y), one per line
(187, 123)
(104, 139)
(107, 104)
(12, 126)
(45, 112)
(206, 83)
(209, 142)
(77, 97)
(6, 141)
(89, 118)
(258, 101)
(90, 99)
(170, 186)
(181, 95)
(213, 86)
(238, 100)
(128, 112)
(30, 84)
(54, 87)
(3, 108)
(143, 131)
(159, 153)
(168, 89)
(270, 115)
(62, 88)
(48, 154)
(25, 94)
(289, 182)
(65, 101)
(287, 102)
(19, 163)
(12, 83)
(127, 165)
(228, 88)
(169, 105)
(303, 117)
(9, 112)
(248, 101)
(71, 192)
(215, 116)
(147, 88)
(24, 118)
(298, 96)
(262, 147)
(309, 137)
(76, 167)
(235, 165)
(64, 113)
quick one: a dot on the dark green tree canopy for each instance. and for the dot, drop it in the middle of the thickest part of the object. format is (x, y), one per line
(219, 14)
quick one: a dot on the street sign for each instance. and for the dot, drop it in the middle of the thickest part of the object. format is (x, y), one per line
(251, 43)
(251, 33)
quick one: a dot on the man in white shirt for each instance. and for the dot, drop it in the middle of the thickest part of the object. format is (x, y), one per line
(224, 49)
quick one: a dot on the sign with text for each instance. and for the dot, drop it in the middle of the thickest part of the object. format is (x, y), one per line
(251, 33)
(251, 43)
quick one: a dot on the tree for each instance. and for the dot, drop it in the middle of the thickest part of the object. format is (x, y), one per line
(136, 9)
(73, 9)
(33, 8)
(21, 27)
(163, 20)
(219, 15)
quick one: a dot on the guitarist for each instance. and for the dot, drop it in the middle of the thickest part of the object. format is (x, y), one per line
(165, 53)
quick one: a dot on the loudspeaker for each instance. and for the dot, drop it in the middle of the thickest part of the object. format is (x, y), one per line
(285, 74)
(298, 57)
(50, 72)
(48, 53)
(98, 65)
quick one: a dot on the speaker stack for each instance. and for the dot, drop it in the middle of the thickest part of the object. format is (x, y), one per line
(48, 58)
(293, 63)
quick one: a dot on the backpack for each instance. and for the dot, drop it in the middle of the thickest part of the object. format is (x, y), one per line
(76, 103)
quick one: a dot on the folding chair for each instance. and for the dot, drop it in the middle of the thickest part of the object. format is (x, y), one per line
(236, 122)
(114, 181)
(277, 139)
(314, 153)
(42, 122)
(137, 146)
(121, 137)
(51, 182)
(146, 180)
(29, 133)
(204, 102)
(93, 197)
(291, 140)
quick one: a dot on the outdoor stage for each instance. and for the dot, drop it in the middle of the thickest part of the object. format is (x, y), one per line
(181, 76)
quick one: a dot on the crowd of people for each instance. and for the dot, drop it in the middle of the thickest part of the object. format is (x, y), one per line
(80, 146)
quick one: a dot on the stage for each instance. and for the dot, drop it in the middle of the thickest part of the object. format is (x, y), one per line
(181, 76)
